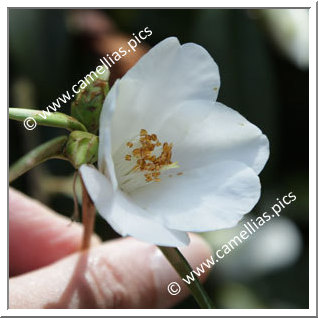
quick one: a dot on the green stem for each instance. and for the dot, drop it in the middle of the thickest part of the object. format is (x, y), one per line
(54, 119)
(183, 268)
(49, 150)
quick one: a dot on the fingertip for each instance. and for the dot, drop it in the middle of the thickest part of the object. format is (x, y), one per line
(123, 273)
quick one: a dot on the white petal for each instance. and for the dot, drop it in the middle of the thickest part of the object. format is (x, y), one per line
(105, 161)
(98, 187)
(223, 135)
(159, 84)
(124, 216)
(127, 218)
(204, 199)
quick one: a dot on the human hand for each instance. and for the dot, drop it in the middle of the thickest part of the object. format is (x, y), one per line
(47, 269)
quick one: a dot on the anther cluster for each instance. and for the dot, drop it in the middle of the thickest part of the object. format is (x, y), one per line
(146, 159)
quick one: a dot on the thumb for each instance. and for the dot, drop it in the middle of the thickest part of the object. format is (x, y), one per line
(124, 273)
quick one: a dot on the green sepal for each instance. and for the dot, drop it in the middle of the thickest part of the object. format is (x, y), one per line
(81, 148)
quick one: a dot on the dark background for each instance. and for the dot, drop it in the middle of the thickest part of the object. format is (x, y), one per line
(50, 50)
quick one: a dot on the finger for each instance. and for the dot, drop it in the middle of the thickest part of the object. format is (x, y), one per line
(37, 235)
(125, 273)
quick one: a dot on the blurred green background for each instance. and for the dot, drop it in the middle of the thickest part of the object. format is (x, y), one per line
(263, 60)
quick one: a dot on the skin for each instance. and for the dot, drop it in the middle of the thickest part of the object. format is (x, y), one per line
(48, 271)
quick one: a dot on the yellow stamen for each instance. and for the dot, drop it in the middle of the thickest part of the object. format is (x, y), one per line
(147, 160)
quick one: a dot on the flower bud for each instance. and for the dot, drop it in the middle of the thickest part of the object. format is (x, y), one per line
(81, 148)
(89, 101)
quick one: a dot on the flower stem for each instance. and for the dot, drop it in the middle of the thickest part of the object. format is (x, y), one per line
(88, 217)
(183, 268)
(75, 216)
(55, 119)
(49, 150)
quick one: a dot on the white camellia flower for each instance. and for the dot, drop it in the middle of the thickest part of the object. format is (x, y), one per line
(172, 159)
